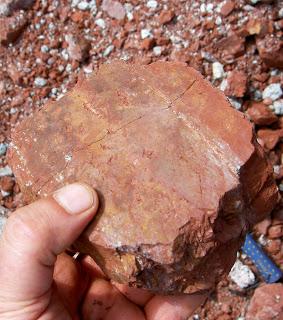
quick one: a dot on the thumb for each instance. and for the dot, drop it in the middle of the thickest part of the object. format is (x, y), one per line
(34, 235)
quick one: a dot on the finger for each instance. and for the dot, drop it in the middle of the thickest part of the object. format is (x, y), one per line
(71, 282)
(90, 266)
(173, 307)
(103, 301)
(36, 234)
(137, 296)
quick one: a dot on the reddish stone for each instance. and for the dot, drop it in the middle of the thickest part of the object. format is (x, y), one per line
(7, 184)
(269, 138)
(227, 8)
(255, 26)
(275, 232)
(277, 217)
(270, 50)
(260, 114)
(232, 45)
(266, 303)
(236, 84)
(166, 16)
(148, 44)
(114, 9)
(11, 28)
(172, 216)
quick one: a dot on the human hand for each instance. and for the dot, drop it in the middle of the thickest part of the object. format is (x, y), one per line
(39, 281)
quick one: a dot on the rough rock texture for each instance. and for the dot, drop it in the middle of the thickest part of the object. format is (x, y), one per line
(179, 186)
(266, 303)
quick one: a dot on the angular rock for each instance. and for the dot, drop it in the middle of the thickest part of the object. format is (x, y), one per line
(270, 50)
(266, 303)
(260, 114)
(166, 16)
(236, 84)
(179, 183)
(11, 28)
(227, 7)
(269, 138)
(231, 46)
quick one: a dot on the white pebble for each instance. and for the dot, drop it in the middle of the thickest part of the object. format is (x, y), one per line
(157, 50)
(101, 23)
(255, 1)
(6, 171)
(273, 91)
(209, 7)
(217, 70)
(40, 82)
(235, 103)
(83, 5)
(3, 149)
(280, 13)
(218, 21)
(44, 49)
(108, 50)
(152, 4)
(203, 8)
(145, 33)
(242, 275)
(278, 107)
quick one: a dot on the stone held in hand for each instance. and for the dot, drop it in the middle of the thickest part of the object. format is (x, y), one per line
(180, 175)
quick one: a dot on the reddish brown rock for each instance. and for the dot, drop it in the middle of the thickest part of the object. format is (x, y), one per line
(179, 183)
(275, 231)
(11, 28)
(236, 84)
(227, 8)
(260, 114)
(268, 138)
(266, 303)
(166, 16)
(148, 44)
(263, 226)
(232, 46)
(7, 183)
(270, 50)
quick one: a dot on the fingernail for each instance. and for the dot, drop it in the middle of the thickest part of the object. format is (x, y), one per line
(75, 198)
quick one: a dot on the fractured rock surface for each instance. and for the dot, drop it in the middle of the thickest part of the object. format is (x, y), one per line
(179, 183)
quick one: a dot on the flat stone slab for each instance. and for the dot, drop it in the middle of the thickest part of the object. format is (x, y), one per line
(180, 176)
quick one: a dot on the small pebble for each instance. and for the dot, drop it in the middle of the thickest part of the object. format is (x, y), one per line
(278, 107)
(157, 51)
(6, 171)
(152, 4)
(3, 149)
(242, 275)
(101, 23)
(217, 70)
(273, 91)
(40, 82)
(145, 33)
(108, 50)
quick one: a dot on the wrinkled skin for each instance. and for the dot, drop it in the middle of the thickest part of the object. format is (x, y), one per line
(40, 281)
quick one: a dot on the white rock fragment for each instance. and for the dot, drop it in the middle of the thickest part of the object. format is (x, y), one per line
(129, 11)
(4, 9)
(262, 240)
(152, 4)
(209, 7)
(280, 13)
(108, 50)
(157, 50)
(218, 21)
(273, 91)
(255, 1)
(101, 23)
(40, 82)
(3, 149)
(237, 104)
(242, 275)
(6, 171)
(223, 85)
(145, 33)
(278, 107)
(217, 70)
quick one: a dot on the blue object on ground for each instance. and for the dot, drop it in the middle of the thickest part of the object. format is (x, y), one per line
(269, 271)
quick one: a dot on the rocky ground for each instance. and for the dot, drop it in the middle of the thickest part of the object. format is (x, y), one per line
(47, 46)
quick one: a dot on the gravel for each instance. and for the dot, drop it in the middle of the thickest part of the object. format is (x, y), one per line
(273, 91)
